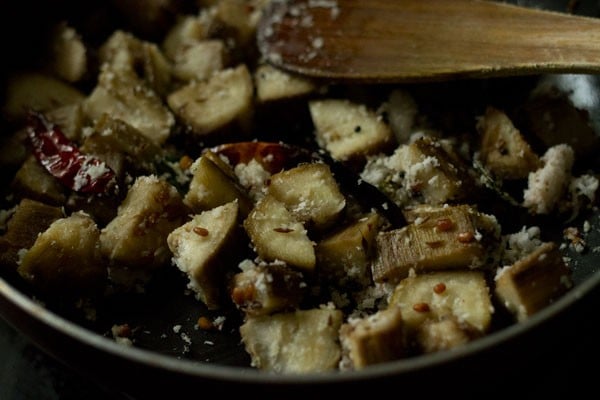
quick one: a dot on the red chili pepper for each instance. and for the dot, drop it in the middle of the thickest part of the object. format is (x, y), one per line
(61, 158)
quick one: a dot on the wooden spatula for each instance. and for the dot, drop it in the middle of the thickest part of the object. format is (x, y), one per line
(424, 40)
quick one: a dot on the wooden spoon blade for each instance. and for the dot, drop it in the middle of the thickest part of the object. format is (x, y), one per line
(418, 40)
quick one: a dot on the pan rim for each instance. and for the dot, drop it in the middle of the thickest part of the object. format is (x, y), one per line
(248, 375)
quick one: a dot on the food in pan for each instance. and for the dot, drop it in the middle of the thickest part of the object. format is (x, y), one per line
(345, 225)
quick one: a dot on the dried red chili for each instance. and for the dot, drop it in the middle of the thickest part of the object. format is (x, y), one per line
(63, 159)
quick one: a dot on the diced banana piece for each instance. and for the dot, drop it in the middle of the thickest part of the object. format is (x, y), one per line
(463, 295)
(69, 118)
(223, 100)
(345, 255)
(185, 32)
(39, 92)
(114, 136)
(240, 18)
(33, 181)
(66, 258)
(267, 288)
(302, 341)
(126, 54)
(213, 184)
(450, 237)
(310, 193)
(124, 96)
(275, 84)
(135, 241)
(504, 151)
(443, 334)
(278, 235)
(199, 248)
(533, 282)
(374, 339)
(348, 130)
(28, 221)
(432, 171)
(69, 54)
(200, 60)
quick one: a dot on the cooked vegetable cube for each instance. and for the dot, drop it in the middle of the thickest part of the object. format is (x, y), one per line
(124, 96)
(65, 259)
(184, 33)
(449, 237)
(310, 193)
(128, 55)
(135, 241)
(374, 339)
(39, 92)
(114, 136)
(68, 52)
(275, 84)
(224, 100)
(463, 295)
(278, 235)
(267, 288)
(432, 171)
(70, 118)
(201, 248)
(349, 131)
(345, 255)
(533, 282)
(199, 61)
(443, 334)
(239, 19)
(301, 341)
(213, 184)
(33, 181)
(504, 151)
(30, 218)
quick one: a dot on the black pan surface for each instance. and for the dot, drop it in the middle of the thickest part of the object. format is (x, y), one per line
(172, 356)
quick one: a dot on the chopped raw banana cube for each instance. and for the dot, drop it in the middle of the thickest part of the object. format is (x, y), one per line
(213, 184)
(463, 295)
(275, 84)
(30, 218)
(267, 288)
(128, 55)
(69, 54)
(310, 193)
(374, 339)
(345, 255)
(443, 334)
(200, 248)
(450, 237)
(302, 341)
(533, 282)
(223, 100)
(66, 258)
(348, 130)
(200, 60)
(125, 96)
(135, 241)
(504, 151)
(278, 235)
(39, 92)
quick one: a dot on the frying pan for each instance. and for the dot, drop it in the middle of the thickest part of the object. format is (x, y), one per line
(172, 357)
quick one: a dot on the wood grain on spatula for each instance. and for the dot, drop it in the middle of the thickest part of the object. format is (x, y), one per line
(418, 40)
